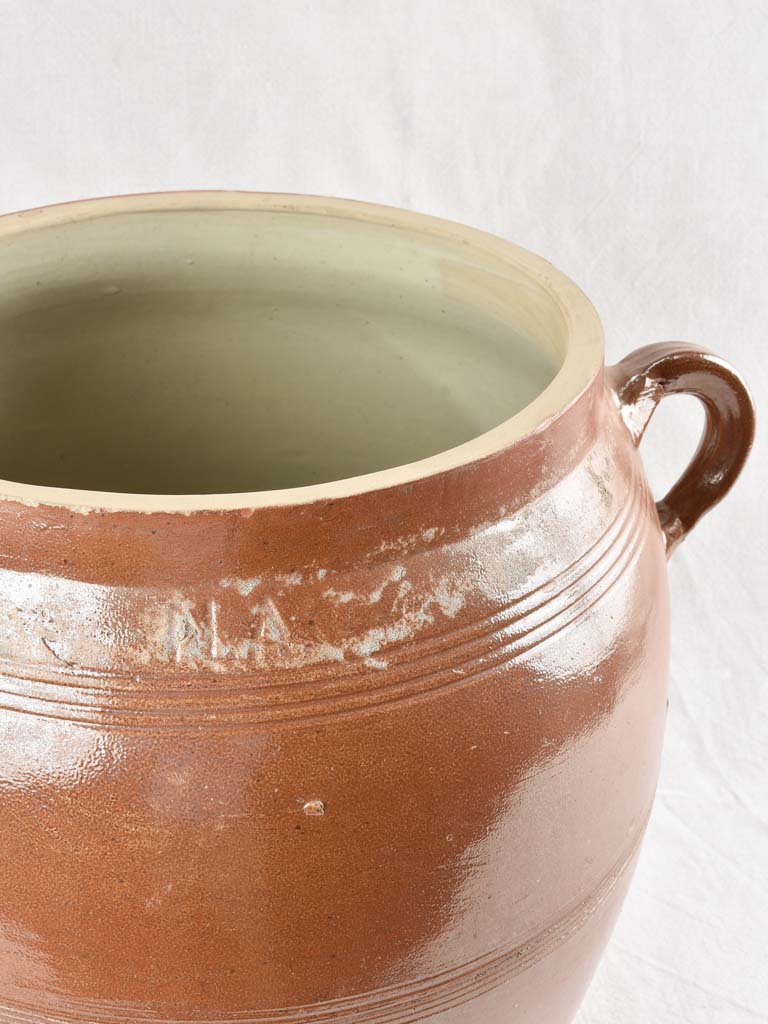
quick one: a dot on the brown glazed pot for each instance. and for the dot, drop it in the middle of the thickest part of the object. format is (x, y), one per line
(333, 615)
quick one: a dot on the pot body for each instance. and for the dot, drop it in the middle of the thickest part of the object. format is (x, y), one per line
(387, 757)
(377, 750)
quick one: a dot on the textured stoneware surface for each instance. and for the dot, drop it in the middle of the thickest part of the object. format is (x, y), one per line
(380, 751)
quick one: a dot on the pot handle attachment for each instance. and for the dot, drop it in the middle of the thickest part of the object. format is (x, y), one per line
(643, 378)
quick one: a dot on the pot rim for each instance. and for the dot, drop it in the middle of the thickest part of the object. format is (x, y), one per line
(582, 362)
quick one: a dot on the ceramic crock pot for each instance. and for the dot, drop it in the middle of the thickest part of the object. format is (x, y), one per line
(333, 615)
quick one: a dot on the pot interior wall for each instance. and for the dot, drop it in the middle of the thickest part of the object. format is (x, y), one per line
(201, 351)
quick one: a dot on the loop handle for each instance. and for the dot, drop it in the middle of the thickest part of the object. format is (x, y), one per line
(643, 378)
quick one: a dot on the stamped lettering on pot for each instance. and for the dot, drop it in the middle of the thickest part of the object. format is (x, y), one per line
(192, 635)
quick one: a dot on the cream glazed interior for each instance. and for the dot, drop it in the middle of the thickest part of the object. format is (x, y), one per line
(186, 349)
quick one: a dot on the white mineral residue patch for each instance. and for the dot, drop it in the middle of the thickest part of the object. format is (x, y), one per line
(339, 596)
(448, 596)
(291, 579)
(365, 597)
(244, 586)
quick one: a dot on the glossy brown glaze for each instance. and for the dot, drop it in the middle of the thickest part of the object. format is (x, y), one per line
(384, 758)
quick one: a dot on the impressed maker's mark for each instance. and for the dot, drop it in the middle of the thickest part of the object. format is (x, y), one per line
(194, 636)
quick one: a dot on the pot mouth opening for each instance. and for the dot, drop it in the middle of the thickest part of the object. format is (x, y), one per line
(201, 351)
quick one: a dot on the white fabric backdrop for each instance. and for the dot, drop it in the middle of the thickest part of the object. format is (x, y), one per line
(626, 141)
